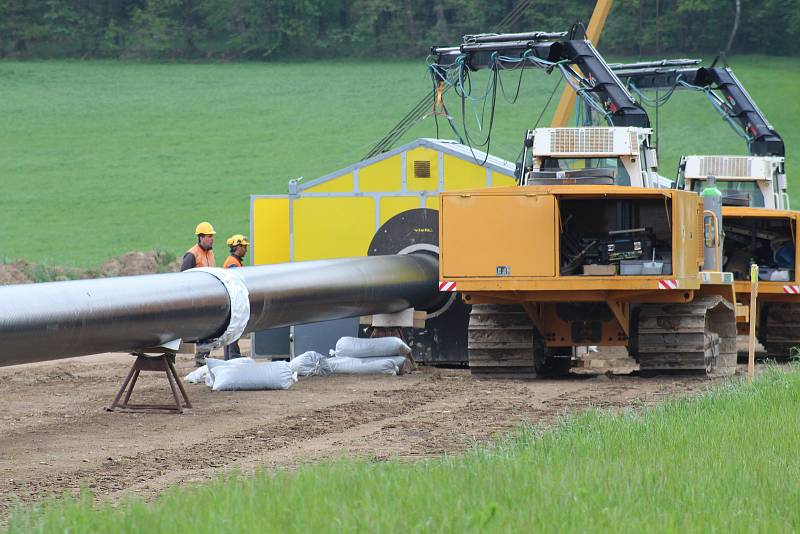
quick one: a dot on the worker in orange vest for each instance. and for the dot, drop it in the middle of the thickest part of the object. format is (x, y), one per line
(238, 248)
(201, 255)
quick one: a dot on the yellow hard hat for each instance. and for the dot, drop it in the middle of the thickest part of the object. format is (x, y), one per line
(204, 228)
(237, 239)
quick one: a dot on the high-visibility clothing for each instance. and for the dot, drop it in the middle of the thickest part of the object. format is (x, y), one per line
(232, 261)
(202, 258)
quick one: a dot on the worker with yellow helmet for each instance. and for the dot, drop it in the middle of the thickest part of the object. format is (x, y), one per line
(201, 255)
(238, 248)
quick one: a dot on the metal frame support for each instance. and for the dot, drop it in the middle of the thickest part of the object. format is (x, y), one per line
(162, 363)
(622, 312)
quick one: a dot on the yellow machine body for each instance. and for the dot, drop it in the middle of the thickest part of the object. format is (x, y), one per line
(518, 228)
(502, 246)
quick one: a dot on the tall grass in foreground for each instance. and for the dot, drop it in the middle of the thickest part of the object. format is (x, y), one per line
(724, 461)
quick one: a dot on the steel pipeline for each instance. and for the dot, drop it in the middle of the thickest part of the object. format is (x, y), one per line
(61, 319)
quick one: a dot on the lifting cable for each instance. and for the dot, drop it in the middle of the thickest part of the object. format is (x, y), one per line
(427, 102)
(720, 105)
(457, 76)
(541, 113)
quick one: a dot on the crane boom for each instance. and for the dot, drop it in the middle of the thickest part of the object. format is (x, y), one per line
(576, 59)
(736, 103)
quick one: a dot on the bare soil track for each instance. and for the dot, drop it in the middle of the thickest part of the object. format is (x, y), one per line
(55, 435)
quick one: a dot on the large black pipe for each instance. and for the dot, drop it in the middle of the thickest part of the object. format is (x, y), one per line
(61, 319)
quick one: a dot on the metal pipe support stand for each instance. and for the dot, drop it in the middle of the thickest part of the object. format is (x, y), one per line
(164, 363)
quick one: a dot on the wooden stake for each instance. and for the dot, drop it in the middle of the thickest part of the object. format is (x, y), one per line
(751, 342)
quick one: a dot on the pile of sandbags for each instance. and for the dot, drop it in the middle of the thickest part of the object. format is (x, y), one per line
(369, 356)
(352, 356)
(315, 364)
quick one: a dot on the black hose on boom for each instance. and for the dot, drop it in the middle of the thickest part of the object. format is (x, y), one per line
(425, 104)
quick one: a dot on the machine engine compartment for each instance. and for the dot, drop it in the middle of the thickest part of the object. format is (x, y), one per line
(609, 237)
(769, 242)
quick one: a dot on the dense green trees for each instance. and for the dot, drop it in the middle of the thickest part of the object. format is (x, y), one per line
(287, 29)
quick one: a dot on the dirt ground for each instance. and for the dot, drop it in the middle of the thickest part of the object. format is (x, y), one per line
(128, 264)
(56, 435)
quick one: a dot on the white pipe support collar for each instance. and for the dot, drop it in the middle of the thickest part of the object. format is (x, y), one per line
(240, 305)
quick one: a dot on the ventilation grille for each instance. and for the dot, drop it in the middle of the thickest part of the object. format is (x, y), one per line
(724, 166)
(587, 140)
(634, 142)
(422, 169)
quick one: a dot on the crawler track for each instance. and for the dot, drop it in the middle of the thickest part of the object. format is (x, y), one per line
(780, 329)
(501, 341)
(698, 337)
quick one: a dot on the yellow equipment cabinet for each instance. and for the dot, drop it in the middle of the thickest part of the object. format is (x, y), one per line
(337, 215)
(384, 205)
(545, 269)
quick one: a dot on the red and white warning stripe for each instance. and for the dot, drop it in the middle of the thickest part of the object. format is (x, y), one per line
(792, 290)
(447, 286)
(667, 284)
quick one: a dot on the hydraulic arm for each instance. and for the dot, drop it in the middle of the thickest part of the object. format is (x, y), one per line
(579, 62)
(735, 103)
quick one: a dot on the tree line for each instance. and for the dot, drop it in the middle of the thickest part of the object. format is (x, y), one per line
(305, 29)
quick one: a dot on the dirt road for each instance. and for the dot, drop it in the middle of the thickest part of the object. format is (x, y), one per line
(55, 435)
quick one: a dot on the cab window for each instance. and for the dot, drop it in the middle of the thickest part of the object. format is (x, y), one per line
(735, 186)
(621, 176)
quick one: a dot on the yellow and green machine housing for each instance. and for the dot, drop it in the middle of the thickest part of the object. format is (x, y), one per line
(384, 205)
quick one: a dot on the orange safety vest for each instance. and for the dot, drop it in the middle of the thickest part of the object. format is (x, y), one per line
(231, 261)
(202, 258)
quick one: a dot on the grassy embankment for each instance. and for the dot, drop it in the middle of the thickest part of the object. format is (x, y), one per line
(721, 462)
(100, 158)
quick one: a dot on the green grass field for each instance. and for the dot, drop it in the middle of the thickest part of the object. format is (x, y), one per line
(721, 462)
(99, 158)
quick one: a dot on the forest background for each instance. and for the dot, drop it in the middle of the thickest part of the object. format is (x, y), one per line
(310, 29)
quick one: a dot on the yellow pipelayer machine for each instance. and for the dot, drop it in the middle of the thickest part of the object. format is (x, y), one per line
(502, 249)
(757, 223)
(590, 248)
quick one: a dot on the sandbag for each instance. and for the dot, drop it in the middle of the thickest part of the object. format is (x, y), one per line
(272, 375)
(197, 376)
(403, 363)
(364, 347)
(310, 364)
(362, 366)
(213, 363)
